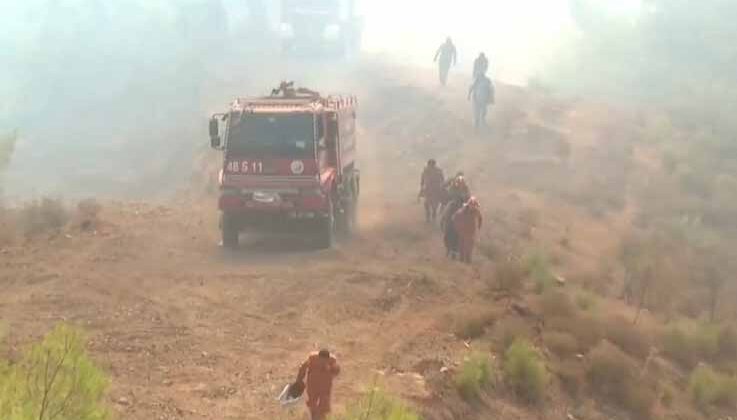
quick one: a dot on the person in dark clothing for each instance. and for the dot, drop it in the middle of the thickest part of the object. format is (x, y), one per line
(481, 94)
(458, 193)
(431, 188)
(480, 66)
(445, 56)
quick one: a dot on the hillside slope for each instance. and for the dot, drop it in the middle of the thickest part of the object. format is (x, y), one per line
(188, 331)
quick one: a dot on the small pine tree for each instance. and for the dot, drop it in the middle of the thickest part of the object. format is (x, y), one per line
(378, 405)
(55, 380)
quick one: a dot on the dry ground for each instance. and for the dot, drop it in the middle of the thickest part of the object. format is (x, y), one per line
(189, 331)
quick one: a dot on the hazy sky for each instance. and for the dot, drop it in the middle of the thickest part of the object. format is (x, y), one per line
(517, 35)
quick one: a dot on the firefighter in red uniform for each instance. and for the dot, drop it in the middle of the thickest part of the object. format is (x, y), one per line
(431, 187)
(467, 223)
(320, 368)
(457, 195)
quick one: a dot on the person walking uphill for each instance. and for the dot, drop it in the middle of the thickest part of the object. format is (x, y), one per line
(458, 194)
(481, 94)
(320, 369)
(467, 223)
(431, 188)
(480, 66)
(448, 55)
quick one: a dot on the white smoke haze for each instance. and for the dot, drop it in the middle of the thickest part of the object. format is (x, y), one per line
(98, 87)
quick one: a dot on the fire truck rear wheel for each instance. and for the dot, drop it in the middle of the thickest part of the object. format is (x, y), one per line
(229, 232)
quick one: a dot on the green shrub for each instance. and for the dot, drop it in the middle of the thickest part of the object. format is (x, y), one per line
(612, 375)
(378, 405)
(537, 265)
(689, 344)
(585, 301)
(46, 215)
(473, 376)
(473, 327)
(557, 303)
(54, 380)
(525, 371)
(708, 387)
(562, 344)
(509, 330)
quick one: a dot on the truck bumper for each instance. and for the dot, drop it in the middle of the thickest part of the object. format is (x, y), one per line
(280, 221)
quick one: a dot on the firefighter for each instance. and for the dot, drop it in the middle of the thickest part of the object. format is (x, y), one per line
(481, 94)
(447, 55)
(458, 194)
(458, 188)
(480, 66)
(320, 369)
(467, 223)
(431, 188)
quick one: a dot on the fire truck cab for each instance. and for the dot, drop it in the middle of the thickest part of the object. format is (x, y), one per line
(289, 164)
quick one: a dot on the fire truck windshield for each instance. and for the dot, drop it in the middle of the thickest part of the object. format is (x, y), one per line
(272, 135)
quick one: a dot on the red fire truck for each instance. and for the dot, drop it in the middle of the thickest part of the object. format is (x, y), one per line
(289, 164)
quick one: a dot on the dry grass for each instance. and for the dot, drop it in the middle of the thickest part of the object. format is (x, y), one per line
(571, 374)
(7, 227)
(509, 330)
(727, 343)
(586, 328)
(509, 276)
(564, 345)
(555, 303)
(630, 338)
(471, 327)
(87, 215)
(613, 376)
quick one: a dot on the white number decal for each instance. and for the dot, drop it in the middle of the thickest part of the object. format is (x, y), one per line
(245, 167)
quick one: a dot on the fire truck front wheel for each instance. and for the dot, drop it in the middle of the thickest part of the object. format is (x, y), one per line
(229, 231)
(326, 230)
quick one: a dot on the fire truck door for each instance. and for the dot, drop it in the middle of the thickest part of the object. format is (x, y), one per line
(331, 138)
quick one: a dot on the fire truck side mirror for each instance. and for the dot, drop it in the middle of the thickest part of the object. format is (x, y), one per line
(214, 133)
